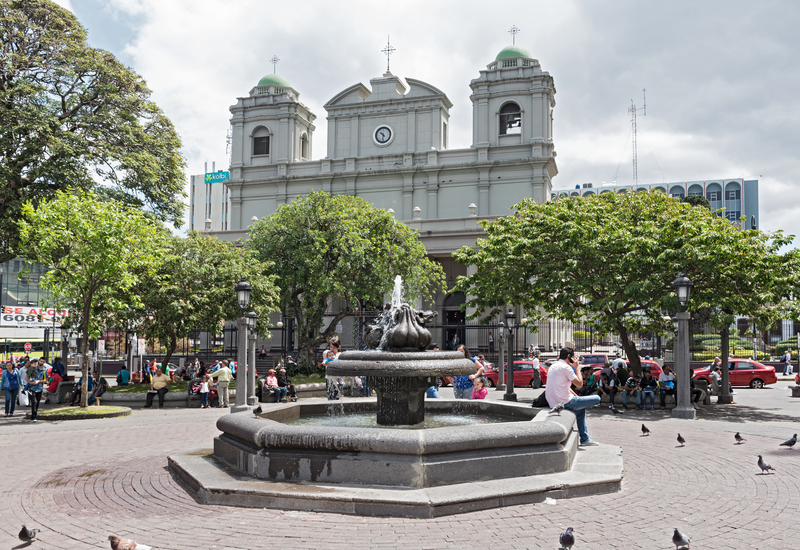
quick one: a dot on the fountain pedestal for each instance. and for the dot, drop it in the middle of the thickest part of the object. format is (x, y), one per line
(401, 401)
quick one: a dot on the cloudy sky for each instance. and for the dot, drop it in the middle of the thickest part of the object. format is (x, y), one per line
(722, 77)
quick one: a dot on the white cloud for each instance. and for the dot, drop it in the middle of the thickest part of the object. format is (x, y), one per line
(721, 77)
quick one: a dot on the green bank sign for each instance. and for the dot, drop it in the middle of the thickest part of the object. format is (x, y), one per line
(217, 177)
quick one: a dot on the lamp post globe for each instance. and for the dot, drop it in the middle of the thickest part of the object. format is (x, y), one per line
(243, 290)
(682, 286)
(252, 318)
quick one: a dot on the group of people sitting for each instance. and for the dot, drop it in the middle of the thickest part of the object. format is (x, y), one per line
(641, 387)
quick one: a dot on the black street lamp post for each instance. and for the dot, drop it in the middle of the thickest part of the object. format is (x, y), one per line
(510, 395)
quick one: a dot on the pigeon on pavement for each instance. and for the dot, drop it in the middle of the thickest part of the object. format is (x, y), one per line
(557, 409)
(765, 468)
(738, 438)
(615, 410)
(125, 544)
(258, 410)
(679, 539)
(790, 442)
(27, 535)
(681, 440)
(566, 539)
(645, 431)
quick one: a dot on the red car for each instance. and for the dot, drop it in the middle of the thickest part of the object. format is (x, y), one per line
(743, 372)
(523, 374)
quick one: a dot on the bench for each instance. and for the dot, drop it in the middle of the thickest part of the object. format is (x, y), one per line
(670, 401)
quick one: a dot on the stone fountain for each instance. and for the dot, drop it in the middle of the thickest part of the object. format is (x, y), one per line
(397, 366)
(290, 456)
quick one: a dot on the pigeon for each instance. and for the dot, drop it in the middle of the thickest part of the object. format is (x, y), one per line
(738, 438)
(615, 410)
(27, 535)
(125, 544)
(765, 468)
(258, 410)
(678, 539)
(790, 442)
(566, 539)
(645, 431)
(557, 409)
(681, 440)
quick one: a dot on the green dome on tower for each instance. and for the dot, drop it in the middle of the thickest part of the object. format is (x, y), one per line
(274, 80)
(513, 51)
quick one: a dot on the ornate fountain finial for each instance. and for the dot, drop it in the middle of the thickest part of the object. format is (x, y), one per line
(400, 327)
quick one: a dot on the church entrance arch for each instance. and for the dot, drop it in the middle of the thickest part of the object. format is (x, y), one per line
(454, 318)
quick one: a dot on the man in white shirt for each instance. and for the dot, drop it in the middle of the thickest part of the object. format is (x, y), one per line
(561, 375)
(618, 363)
(666, 384)
(788, 369)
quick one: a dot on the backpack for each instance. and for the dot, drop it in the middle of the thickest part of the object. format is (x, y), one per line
(540, 401)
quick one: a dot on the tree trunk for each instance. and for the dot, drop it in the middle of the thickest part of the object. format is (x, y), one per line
(173, 344)
(630, 350)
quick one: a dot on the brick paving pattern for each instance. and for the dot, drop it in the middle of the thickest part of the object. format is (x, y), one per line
(81, 481)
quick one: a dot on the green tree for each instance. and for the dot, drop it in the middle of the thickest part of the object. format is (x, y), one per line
(697, 200)
(326, 248)
(73, 115)
(193, 288)
(94, 250)
(611, 259)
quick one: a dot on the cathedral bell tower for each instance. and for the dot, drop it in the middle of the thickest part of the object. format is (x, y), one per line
(512, 104)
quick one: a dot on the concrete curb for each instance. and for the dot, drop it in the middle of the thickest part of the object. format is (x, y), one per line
(596, 470)
(53, 417)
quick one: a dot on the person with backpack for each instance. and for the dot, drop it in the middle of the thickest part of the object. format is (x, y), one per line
(10, 383)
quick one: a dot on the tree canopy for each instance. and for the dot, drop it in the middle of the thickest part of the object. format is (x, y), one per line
(340, 247)
(74, 117)
(95, 251)
(192, 287)
(611, 259)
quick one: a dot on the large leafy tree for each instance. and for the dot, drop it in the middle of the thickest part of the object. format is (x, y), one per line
(611, 259)
(72, 116)
(95, 251)
(193, 288)
(338, 247)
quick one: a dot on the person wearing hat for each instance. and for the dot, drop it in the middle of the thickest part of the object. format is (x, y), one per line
(224, 377)
(284, 382)
(272, 384)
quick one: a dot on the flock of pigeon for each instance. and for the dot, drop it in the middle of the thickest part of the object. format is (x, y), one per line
(567, 538)
(28, 536)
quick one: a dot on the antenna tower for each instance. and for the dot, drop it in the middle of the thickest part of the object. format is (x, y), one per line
(633, 110)
(228, 143)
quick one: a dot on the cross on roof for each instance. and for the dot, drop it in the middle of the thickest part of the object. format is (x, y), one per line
(387, 51)
(514, 31)
(274, 62)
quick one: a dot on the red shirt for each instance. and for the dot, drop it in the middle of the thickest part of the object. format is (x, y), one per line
(56, 380)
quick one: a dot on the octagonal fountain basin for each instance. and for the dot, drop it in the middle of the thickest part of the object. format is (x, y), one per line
(499, 441)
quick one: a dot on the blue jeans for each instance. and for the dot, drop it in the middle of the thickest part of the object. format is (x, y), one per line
(11, 400)
(788, 369)
(280, 393)
(578, 405)
(637, 395)
(651, 395)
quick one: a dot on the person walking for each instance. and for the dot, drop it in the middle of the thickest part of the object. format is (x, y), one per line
(36, 379)
(788, 369)
(10, 383)
(224, 377)
(563, 374)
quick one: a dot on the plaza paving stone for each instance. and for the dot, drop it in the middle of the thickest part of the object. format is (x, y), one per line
(81, 481)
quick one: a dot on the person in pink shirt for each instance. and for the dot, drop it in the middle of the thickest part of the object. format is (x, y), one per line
(479, 391)
(272, 382)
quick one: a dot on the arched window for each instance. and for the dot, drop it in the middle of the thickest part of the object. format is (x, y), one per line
(510, 119)
(304, 147)
(261, 141)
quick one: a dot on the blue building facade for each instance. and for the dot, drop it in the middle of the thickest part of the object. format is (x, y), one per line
(738, 197)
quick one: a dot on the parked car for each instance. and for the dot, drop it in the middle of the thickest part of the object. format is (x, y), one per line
(523, 374)
(593, 360)
(743, 372)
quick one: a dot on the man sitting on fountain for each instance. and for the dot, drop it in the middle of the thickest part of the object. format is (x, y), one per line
(565, 373)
